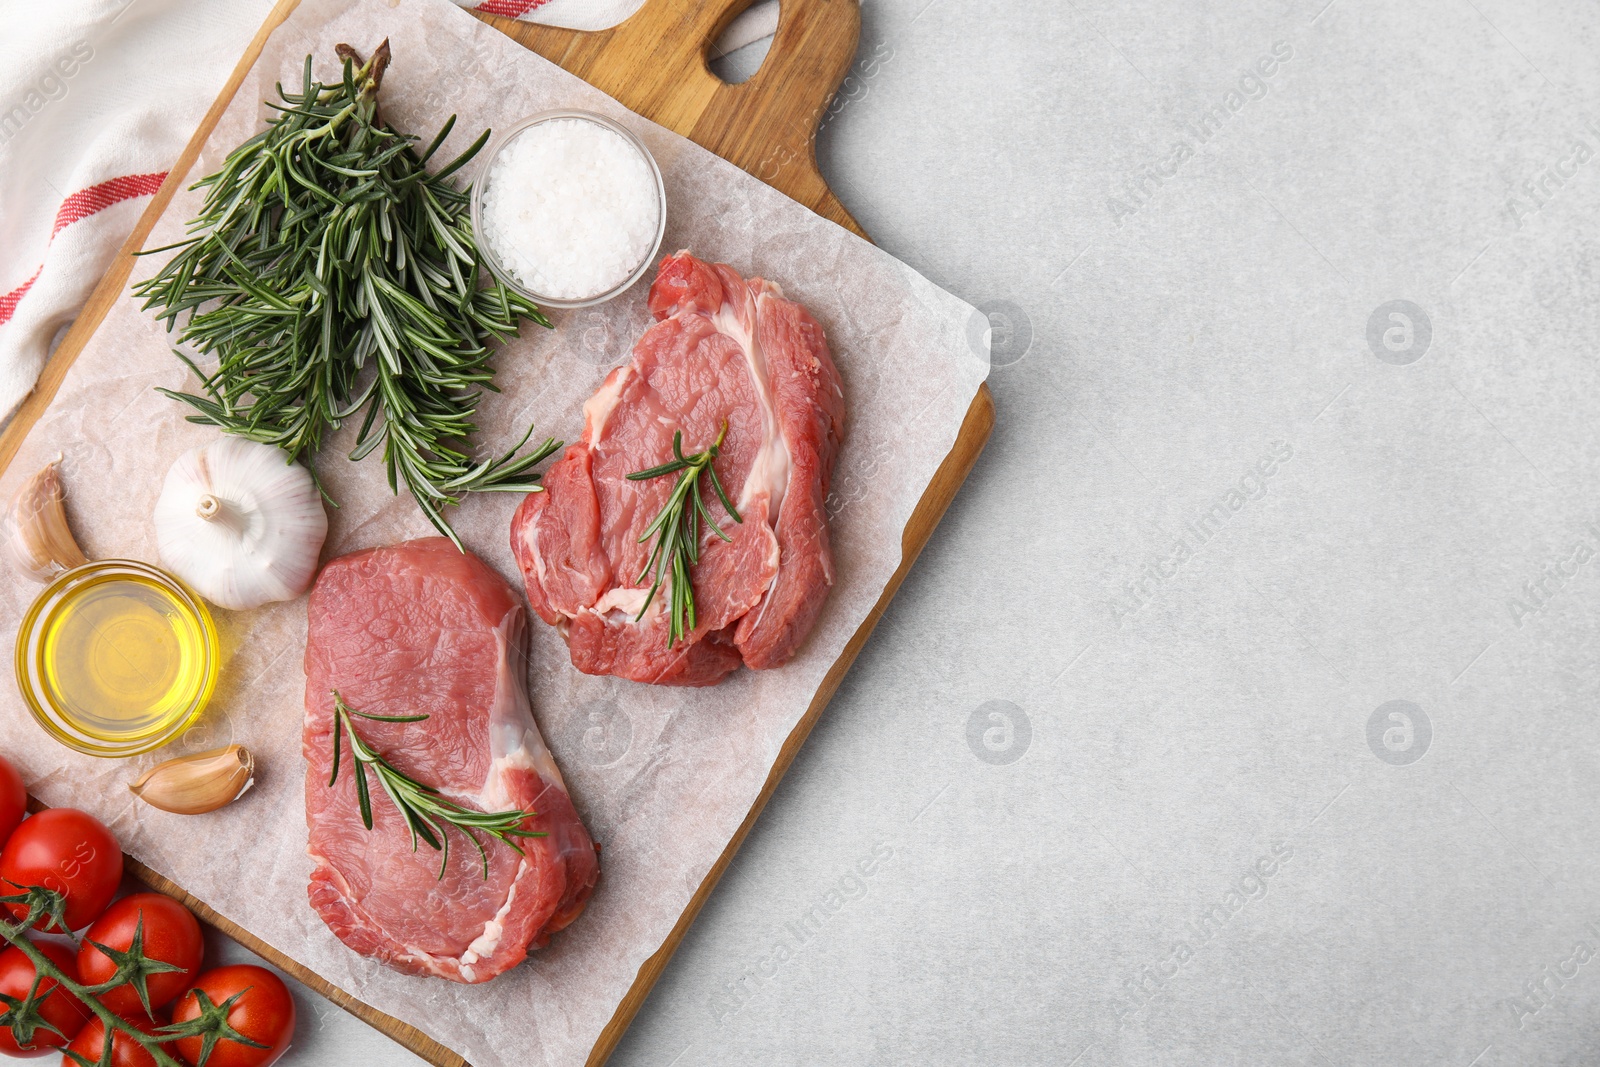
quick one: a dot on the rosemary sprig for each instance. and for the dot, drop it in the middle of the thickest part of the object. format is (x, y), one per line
(425, 811)
(677, 529)
(332, 277)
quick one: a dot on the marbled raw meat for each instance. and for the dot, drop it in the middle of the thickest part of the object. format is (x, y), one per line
(723, 349)
(423, 628)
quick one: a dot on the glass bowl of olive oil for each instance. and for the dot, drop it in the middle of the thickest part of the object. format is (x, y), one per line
(117, 657)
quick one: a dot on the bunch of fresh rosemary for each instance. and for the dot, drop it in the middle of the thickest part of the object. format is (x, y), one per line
(331, 276)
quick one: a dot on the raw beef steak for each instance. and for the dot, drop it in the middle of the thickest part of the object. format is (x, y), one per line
(422, 628)
(723, 350)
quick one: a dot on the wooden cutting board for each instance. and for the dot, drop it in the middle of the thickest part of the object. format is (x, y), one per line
(655, 64)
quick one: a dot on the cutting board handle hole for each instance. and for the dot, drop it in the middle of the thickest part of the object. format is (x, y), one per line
(737, 55)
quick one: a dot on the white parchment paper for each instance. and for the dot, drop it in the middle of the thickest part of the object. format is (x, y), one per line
(663, 777)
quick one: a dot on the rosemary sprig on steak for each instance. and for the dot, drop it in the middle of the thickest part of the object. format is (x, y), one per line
(425, 811)
(332, 277)
(677, 529)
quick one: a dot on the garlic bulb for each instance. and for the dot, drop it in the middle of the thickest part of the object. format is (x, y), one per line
(35, 528)
(240, 524)
(194, 785)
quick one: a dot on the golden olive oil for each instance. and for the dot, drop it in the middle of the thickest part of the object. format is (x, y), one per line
(119, 657)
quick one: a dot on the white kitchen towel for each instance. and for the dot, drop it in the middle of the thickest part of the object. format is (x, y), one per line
(98, 97)
(756, 22)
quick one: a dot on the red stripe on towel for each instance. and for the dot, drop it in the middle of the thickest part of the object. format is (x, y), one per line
(511, 9)
(76, 208)
(8, 303)
(81, 205)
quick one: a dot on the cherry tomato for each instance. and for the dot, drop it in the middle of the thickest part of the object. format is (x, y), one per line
(13, 799)
(62, 1010)
(70, 852)
(264, 1013)
(170, 935)
(125, 1051)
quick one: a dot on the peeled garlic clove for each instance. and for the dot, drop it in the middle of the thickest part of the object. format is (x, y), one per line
(35, 527)
(240, 523)
(193, 785)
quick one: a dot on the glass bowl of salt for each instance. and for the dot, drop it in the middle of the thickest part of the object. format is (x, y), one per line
(569, 208)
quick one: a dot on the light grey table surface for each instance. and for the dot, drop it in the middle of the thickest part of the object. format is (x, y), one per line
(1243, 708)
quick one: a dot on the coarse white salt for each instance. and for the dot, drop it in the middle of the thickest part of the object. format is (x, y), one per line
(571, 208)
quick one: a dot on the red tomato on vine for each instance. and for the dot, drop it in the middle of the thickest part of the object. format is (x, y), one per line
(154, 940)
(59, 1008)
(250, 1001)
(67, 851)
